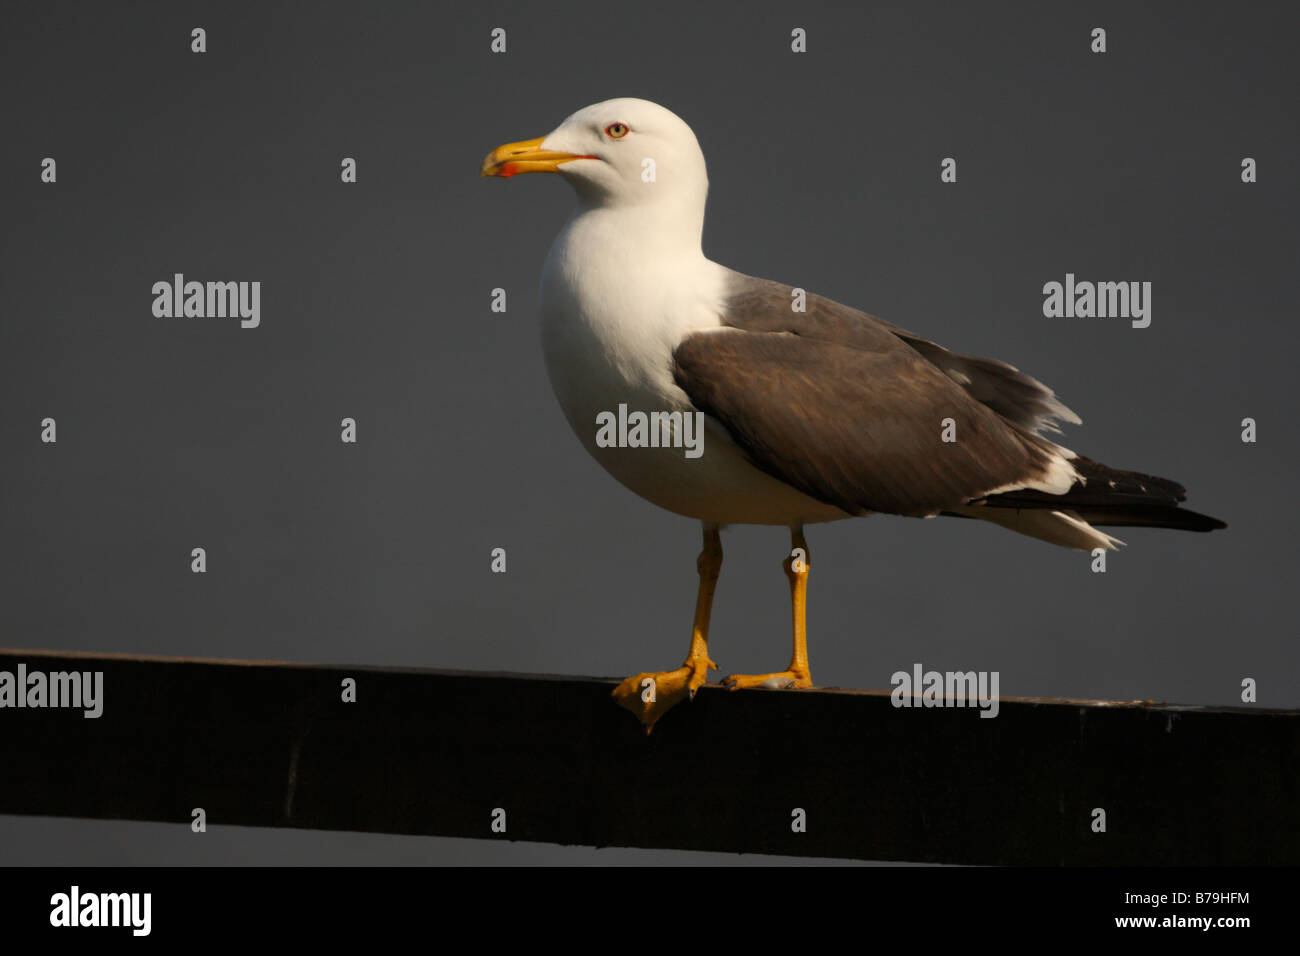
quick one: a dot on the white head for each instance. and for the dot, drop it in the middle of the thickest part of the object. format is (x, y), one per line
(619, 153)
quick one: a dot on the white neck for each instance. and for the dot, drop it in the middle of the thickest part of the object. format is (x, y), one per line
(623, 283)
(667, 218)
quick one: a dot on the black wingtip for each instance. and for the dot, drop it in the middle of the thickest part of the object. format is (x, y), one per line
(1178, 519)
(1210, 524)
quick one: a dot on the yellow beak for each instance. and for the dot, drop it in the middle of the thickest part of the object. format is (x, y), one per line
(526, 157)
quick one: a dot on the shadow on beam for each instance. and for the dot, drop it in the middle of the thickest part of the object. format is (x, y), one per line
(436, 752)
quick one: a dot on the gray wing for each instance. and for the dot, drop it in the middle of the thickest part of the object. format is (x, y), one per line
(761, 305)
(850, 411)
(1002, 387)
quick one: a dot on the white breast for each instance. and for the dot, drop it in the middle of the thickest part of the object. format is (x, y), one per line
(615, 304)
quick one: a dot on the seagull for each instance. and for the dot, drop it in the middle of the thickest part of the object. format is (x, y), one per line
(810, 410)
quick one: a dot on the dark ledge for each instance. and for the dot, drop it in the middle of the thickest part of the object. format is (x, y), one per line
(435, 752)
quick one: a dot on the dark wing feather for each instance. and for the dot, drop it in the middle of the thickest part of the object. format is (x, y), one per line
(1002, 387)
(761, 305)
(1112, 497)
(847, 412)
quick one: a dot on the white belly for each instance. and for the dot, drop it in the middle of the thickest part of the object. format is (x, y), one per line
(608, 340)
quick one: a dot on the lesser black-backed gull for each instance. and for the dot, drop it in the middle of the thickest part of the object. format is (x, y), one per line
(812, 411)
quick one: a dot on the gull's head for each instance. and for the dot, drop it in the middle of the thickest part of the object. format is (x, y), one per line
(619, 152)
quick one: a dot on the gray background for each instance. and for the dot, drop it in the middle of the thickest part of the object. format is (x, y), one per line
(177, 433)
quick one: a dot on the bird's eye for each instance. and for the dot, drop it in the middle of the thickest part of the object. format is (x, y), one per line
(616, 130)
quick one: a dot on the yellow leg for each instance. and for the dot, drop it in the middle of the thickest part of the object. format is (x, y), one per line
(797, 674)
(651, 695)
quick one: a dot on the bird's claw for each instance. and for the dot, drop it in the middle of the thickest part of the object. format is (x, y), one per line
(649, 702)
(783, 680)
